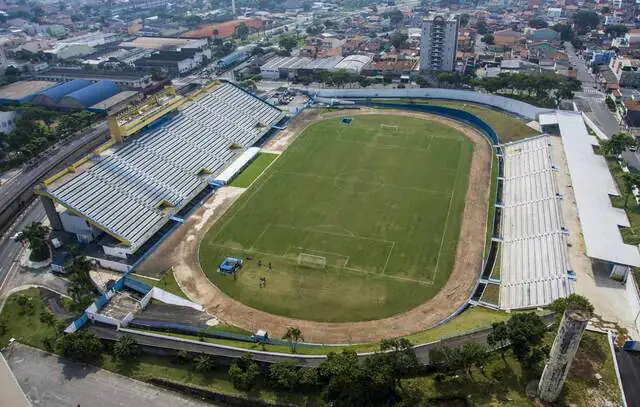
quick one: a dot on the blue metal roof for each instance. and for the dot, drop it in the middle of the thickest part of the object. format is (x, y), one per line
(231, 58)
(58, 92)
(90, 95)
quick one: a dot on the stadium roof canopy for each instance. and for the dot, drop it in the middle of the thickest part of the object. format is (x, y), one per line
(52, 96)
(89, 95)
(592, 185)
(132, 189)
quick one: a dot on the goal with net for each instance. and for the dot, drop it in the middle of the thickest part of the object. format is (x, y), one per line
(312, 261)
(389, 127)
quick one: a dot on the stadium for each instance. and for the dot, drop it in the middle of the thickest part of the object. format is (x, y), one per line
(356, 218)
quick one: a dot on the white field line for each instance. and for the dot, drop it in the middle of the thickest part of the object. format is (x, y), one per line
(446, 222)
(265, 169)
(352, 269)
(388, 257)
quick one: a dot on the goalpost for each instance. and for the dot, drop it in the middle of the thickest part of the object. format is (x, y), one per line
(312, 261)
(389, 127)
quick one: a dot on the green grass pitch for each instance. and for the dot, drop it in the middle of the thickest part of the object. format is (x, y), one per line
(379, 201)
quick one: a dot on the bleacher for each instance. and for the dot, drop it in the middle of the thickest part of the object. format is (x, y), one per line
(125, 187)
(534, 264)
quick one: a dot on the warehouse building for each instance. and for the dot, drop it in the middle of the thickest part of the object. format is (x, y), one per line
(174, 62)
(283, 68)
(126, 79)
(22, 92)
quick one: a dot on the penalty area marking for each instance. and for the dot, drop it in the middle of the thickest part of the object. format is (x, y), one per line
(351, 269)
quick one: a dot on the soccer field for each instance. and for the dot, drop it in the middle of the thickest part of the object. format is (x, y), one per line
(358, 221)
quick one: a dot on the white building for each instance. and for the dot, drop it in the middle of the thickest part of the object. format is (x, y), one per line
(438, 44)
(554, 13)
(7, 121)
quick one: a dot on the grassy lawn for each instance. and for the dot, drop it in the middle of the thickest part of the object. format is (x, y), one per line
(148, 367)
(508, 128)
(253, 171)
(491, 294)
(472, 319)
(23, 322)
(630, 235)
(167, 283)
(504, 382)
(378, 202)
(495, 273)
(492, 199)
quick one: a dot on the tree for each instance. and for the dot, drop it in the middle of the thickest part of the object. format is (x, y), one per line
(82, 346)
(401, 356)
(395, 17)
(616, 30)
(244, 373)
(36, 234)
(631, 181)
(287, 42)
(585, 20)
(47, 318)
(242, 31)
(464, 20)
(126, 347)
(498, 338)
(572, 302)
(489, 39)
(344, 380)
(80, 286)
(525, 332)
(306, 6)
(422, 82)
(605, 10)
(215, 33)
(482, 27)
(399, 39)
(204, 363)
(538, 23)
(618, 143)
(293, 336)
(566, 33)
(285, 375)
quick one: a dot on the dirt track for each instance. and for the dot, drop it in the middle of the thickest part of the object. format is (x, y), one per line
(181, 251)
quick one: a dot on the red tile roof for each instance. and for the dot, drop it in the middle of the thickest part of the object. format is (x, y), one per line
(225, 30)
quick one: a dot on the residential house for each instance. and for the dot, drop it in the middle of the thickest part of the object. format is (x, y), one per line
(542, 34)
(507, 38)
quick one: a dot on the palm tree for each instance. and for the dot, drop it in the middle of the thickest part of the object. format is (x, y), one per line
(293, 336)
(630, 181)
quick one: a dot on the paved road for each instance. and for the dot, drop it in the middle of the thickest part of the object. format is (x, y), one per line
(587, 79)
(595, 107)
(46, 166)
(9, 249)
(54, 382)
(629, 363)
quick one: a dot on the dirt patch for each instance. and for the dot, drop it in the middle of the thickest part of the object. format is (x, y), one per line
(182, 250)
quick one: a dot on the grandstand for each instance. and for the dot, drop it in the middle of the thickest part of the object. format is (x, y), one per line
(131, 189)
(534, 264)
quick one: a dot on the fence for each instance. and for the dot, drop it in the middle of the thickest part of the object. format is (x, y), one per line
(136, 285)
(513, 106)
